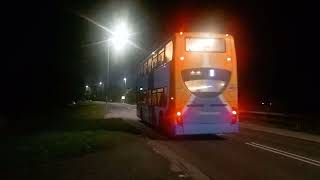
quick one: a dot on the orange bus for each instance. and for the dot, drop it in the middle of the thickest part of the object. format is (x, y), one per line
(189, 85)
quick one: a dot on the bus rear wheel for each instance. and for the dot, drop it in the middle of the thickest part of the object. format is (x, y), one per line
(166, 126)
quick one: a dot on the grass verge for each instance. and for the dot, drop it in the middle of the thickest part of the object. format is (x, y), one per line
(72, 132)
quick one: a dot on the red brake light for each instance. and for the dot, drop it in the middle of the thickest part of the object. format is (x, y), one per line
(178, 118)
(234, 118)
(234, 112)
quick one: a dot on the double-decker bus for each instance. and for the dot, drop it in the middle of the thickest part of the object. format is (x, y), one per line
(189, 85)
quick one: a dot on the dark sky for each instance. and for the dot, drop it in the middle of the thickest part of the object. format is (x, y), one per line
(46, 56)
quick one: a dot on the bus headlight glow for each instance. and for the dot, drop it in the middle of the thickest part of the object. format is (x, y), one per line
(178, 113)
(181, 58)
(228, 58)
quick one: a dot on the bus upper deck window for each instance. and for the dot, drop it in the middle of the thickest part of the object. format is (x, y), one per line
(154, 62)
(161, 56)
(149, 65)
(169, 51)
(206, 44)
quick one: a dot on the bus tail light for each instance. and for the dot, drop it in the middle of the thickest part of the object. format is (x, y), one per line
(234, 112)
(179, 118)
(234, 117)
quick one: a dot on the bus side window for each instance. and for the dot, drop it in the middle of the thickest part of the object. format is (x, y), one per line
(155, 58)
(149, 65)
(149, 97)
(154, 97)
(154, 62)
(161, 97)
(161, 57)
(145, 68)
(169, 51)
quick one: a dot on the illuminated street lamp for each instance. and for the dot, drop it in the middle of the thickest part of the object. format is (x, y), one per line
(125, 82)
(100, 83)
(119, 38)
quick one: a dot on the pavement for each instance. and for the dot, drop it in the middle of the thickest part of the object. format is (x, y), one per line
(256, 152)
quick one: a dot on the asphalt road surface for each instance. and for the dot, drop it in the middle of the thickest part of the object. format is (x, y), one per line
(247, 155)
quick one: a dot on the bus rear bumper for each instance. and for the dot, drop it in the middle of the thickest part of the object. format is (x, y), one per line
(193, 129)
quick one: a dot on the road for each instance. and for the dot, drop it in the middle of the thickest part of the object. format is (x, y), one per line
(247, 155)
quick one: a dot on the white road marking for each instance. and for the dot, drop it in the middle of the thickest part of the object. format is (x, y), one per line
(284, 153)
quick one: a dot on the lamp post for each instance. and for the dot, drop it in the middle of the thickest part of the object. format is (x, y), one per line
(108, 64)
(125, 82)
(100, 90)
(119, 39)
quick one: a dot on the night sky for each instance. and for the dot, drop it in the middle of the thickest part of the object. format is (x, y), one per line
(48, 57)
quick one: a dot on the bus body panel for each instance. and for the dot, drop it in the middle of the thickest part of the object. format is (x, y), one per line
(158, 78)
(207, 129)
(162, 80)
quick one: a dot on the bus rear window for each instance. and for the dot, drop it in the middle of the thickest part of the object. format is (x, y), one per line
(206, 44)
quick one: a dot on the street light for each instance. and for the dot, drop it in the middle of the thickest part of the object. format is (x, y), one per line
(119, 38)
(100, 83)
(87, 92)
(125, 82)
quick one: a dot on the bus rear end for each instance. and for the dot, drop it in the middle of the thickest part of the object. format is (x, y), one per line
(205, 80)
